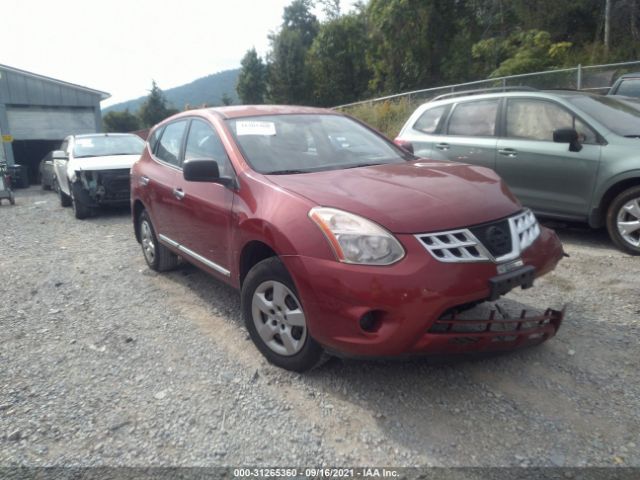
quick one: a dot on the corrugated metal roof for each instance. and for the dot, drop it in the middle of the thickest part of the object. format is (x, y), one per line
(101, 94)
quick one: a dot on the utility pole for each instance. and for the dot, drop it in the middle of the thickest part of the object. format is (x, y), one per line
(607, 25)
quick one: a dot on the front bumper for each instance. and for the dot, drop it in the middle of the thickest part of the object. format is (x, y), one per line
(106, 187)
(408, 299)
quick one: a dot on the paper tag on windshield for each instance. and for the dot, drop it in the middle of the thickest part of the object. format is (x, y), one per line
(84, 142)
(255, 128)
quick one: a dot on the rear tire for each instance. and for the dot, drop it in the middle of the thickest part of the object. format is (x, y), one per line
(275, 318)
(157, 256)
(623, 221)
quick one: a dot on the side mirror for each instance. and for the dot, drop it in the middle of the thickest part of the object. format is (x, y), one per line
(568, 135)
(203, 170)
(59, 155)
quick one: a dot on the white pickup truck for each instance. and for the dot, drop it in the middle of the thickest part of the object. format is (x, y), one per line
(93, 170)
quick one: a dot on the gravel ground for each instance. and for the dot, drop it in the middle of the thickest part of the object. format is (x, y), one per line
(104, 362)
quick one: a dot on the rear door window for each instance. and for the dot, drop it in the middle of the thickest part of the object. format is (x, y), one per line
(170, 143)
(474, 119)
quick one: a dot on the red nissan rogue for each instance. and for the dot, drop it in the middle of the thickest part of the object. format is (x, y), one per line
(339, 241)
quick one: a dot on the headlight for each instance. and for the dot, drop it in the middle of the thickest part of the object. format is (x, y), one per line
(355, 239)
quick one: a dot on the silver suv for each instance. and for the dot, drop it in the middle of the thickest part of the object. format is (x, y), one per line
(565, 154)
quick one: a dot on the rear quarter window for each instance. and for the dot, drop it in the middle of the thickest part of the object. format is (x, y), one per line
(629, 88)
(153, 139)
(429, 120)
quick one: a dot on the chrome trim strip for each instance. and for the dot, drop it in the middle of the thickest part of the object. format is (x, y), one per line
(168, 240)
(193, 254)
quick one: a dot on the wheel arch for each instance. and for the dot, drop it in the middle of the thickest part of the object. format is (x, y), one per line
(599, 215)
(138, 208)
(252, 253)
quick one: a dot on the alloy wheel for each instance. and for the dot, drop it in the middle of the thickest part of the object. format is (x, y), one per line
(278, 318)
(148, 245)
(628, 222)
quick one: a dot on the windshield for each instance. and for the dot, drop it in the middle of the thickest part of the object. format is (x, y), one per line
(621, 116)
(102, 145)
(288, 144)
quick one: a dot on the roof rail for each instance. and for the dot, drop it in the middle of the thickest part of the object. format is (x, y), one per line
(480, 91)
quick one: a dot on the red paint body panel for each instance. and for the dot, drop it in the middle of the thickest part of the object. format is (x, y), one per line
(416, 197)
(217, 222)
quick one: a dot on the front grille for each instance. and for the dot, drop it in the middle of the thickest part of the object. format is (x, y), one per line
(116, 184)
(527, 228)
(495, 236)
(498, 241)
(454, 246)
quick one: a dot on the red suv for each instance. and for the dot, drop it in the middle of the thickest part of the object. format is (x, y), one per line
(338, 240)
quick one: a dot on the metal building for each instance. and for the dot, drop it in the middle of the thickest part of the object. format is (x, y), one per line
(37, 112)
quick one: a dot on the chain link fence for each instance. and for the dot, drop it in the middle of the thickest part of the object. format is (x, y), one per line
(390, 112)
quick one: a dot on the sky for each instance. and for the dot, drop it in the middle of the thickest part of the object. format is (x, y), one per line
(119, 46)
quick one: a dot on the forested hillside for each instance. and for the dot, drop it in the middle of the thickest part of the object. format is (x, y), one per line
(210, 90)
(390, 46)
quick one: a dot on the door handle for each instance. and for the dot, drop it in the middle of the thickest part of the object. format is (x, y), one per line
(178, 193)
(442, 146)
(508, 152)
(143, 180)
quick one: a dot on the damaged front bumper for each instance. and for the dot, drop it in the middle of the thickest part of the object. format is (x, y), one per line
(105, 187)
(453, 334)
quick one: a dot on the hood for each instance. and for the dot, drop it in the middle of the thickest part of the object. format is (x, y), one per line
(414, 197)
(110, 162)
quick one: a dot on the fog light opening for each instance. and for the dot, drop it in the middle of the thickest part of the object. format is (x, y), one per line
(371, 321)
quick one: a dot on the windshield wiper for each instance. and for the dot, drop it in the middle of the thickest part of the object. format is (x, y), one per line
(633, 136)
(357, 165)
(286, 172)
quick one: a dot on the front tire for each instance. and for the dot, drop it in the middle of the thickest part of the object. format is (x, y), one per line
(157, 256)
(79, 202)
(623, 221)
(275, 319)
(65, 200)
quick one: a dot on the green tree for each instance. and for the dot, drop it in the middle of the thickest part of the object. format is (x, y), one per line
(409, 41)
(288, 78)
(226, 99)
(338, 68)
(154, 109)
(522, 52)
(252, 81)
(120, 122)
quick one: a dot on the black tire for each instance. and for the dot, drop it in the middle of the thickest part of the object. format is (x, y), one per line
(162, 259)
(80, 202)
(613, 213)
(65, 200)
(311, 354)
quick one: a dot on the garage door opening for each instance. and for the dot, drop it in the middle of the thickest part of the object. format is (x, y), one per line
(29, 153)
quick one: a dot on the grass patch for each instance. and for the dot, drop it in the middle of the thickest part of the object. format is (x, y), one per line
(388, 116)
